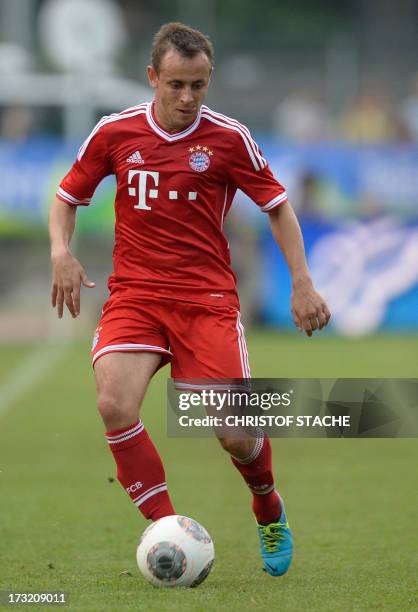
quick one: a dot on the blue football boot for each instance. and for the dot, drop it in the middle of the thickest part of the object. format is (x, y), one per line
(276, 543)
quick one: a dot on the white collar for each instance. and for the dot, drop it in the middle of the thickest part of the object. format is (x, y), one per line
(166, 135)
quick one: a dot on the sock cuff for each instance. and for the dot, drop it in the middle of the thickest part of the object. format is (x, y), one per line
(118, 436)
(150, 492)
(258, 447)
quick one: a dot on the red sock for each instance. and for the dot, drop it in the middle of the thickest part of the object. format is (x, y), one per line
(140, 470)
(257, 472)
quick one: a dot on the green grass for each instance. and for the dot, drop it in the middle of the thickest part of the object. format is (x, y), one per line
(352, 503)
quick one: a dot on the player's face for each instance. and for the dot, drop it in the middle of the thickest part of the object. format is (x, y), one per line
(180, 88)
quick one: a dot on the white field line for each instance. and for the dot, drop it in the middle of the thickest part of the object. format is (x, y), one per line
(29, 372)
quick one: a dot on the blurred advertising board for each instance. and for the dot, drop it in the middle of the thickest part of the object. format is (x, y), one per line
(335, 180)
(358, 207)
(30, 172)
(366, 270)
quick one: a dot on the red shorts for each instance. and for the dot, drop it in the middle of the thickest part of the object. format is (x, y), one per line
(200, 341)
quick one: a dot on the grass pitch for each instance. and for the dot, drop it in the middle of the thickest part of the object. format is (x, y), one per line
(352, 504)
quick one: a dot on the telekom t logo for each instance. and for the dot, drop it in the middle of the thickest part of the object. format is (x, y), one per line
(138, 188)
(142, 187)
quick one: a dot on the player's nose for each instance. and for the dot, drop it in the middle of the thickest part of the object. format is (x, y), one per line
(186, 96)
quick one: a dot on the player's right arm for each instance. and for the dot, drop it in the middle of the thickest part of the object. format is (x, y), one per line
(67, 273)
(76, 189)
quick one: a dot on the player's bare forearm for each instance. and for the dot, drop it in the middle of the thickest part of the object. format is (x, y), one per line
(61, 226)
(287, 233)
(67, 272)
(309, 310)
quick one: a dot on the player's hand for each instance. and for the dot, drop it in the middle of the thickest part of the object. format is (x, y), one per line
(67, 277)
(309, 309)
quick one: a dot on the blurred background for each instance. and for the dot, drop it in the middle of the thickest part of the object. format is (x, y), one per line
(329, 90)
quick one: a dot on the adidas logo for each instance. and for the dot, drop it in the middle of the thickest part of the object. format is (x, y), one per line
(135, 158)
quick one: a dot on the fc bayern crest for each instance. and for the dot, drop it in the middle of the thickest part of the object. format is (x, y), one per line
(199, 159)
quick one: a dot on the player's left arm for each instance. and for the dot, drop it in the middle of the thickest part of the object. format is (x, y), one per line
(251, 173)
(309, 309)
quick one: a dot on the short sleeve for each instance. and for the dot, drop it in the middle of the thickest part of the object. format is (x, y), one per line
(90, 167)
(251, 173)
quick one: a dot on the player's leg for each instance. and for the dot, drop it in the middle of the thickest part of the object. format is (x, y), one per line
(121, 382)
(216, 342)
(213, 347)
(275, 536)
(129, 345)
(252, 457)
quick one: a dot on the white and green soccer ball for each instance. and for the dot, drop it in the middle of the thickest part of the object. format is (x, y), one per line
(175, 551)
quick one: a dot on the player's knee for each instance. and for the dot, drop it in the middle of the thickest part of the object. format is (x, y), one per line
(113, 410)
(239, 448)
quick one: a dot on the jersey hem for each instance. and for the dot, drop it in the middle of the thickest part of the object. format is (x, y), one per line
(229, 301)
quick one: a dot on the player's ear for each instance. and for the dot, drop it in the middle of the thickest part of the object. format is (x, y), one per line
(152, 76)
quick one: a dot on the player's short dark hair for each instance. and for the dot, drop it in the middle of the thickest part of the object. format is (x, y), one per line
(184, 39)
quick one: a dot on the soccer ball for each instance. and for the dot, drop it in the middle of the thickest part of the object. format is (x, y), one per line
(175, 551)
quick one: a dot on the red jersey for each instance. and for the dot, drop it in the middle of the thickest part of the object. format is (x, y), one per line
(173, 194)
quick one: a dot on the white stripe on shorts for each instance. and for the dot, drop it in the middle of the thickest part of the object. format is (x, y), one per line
(123, 348)
(210, 385)
(242, 349)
